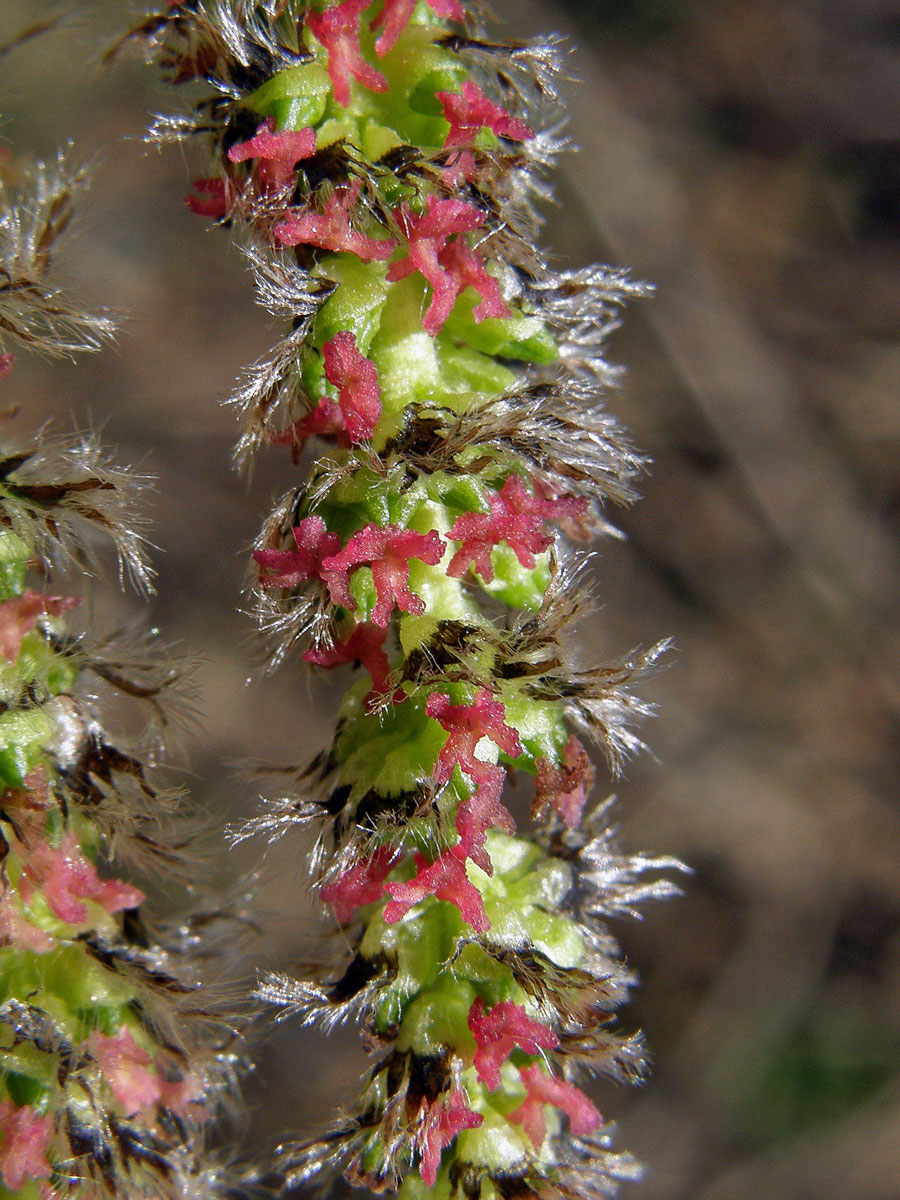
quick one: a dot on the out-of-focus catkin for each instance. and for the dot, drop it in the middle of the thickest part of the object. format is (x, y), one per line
(113, 1062)
(382, 165)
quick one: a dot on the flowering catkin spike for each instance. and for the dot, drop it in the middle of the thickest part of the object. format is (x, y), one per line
(456, 382)
(113, 1060)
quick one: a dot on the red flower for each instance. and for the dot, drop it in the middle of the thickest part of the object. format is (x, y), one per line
(547, 1089)
(468, 270)
(541, 502)
(388, 549)
(358, 410)
(443, 1122)
(361, 884)
(67, 879)
(214, 199)
(497, 1034)
(365, 646)
(446, 879)
(16, 930)
(467, 724)
(516, 517)
(125, 1068)
(337, 28)
(565, 788)
(24, 1138)
(356, 379)
(396, 14)
(479, 533)
(472, 111)
(483, 811)
(428, 253)
(278, 153)
(293, 567)
(18, 617)
(331, 228)
(326, 419)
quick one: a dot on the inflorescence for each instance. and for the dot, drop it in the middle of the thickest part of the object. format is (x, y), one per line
(382, 165)
(113, 1062)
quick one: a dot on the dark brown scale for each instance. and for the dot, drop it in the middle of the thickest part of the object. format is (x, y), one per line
(359, 973)
(87, 1141)
(331, 165)
(143, 1145)
(402, 161)
(113, 954)
(11, 463)
(30, 1024)
(241, 127)
(427, 1077)
(337, 799)
(50, 495)
(373, 805)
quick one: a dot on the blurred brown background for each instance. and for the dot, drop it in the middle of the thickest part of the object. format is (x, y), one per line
(744, 156)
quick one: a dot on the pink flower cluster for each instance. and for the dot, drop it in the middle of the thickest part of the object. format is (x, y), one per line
(337, 28)
(446, 879)
(449, 266)
(516, 518)
(214, 198)
(443, 1121)
(396, 15)
(358, 409)
(467, 725)
(565, 788)
(467, 113)
(361, 884)
(332, 229)
(64, 877)
(24, 1138)
(584, 1119)
(365, 646)
(470, 111)
(497, 1033)
(387, 550)
(67, 879)
(276, 155)
(127, 1069)
(295, 567)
